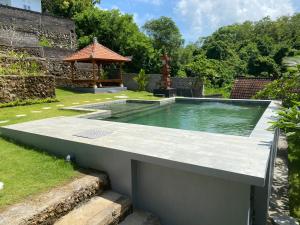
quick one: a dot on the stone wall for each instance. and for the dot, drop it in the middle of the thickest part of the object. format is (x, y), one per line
(14, 88)
(25, 28)
(188, 87)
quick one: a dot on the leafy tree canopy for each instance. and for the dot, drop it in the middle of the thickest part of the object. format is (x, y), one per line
(67, 8)
(164, 34)
(120, 33)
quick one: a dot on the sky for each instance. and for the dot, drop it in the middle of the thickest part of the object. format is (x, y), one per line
(200, 18)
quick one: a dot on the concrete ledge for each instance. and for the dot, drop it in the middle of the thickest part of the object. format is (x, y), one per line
(100, 90)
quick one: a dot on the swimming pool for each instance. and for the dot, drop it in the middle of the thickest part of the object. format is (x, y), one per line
(215, 117)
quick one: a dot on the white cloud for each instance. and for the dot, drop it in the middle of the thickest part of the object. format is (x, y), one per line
(203, 15)
(140, 20)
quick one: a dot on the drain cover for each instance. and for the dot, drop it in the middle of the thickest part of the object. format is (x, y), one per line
(93, 134)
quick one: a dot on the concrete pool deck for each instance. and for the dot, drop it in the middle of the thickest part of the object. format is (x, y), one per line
(125, 149)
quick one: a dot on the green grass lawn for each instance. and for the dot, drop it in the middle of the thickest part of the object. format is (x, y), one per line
(224, 91)
(12, 115)
(25, 171)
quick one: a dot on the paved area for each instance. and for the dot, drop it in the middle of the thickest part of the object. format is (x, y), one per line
(141, 218)
(243, 159)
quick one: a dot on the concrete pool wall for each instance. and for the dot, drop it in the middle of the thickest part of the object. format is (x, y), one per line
(184, 177)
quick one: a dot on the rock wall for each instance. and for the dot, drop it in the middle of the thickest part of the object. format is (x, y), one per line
(14, 88)
(25, 28)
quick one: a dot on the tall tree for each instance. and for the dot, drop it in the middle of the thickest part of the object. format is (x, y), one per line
(120, 33)
(67, 8)
(164, 34)
(166, 37)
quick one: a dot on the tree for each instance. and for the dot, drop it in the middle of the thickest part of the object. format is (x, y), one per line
(218, 50)
(164, 34)
(120, 33)
(263, 64)
(67, 8)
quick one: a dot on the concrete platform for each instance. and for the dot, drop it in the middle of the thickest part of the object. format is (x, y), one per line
(100, 90)
(178, 175)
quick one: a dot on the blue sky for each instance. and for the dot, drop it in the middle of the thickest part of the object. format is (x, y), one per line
(197, 18)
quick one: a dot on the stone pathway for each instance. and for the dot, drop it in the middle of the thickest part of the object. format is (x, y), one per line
(36, 111)
(46, 108)
(60, 105)
(121, 97)
(4, 121)
(279, 202)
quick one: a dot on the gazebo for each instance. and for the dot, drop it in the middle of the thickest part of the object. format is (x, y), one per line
(98, 55)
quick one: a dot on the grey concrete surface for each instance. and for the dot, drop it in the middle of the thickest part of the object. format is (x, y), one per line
(195, 166)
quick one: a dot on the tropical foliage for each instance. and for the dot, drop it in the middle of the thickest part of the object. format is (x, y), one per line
(286, 88)
(257, 49)
(142, 80)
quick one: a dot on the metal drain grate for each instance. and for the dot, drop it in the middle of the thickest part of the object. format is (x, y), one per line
(93, 134)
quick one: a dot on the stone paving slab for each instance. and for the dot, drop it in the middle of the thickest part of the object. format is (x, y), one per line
(106, 209)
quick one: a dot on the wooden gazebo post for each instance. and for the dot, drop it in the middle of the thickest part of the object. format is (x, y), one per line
(94, 75)
(99, 65)
(121, 75)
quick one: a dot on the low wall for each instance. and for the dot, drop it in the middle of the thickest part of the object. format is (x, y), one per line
(185, 86)
(14, 88)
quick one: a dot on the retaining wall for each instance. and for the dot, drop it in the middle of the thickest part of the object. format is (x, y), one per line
(14, 88)
(25, 28)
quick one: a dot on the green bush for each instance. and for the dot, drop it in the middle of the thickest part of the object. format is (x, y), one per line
(44, 42)
(28, 102)
(287, 89)
(289, 121)
(21, 66)
(142, 80)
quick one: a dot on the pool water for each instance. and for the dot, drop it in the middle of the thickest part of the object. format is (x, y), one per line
(215, 117)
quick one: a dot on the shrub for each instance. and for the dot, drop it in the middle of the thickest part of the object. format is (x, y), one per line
(289, 122)
(28, 102)
(142, 80)
(20, 66)
(287, 89)
(44, 42)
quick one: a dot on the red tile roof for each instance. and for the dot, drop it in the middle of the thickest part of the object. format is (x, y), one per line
(246, 88)
(97, 52)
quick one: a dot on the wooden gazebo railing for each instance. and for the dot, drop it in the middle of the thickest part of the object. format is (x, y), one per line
(98, 55)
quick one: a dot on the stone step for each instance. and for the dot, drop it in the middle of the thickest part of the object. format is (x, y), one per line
(139, 217)
(48, 207)
(107, 209)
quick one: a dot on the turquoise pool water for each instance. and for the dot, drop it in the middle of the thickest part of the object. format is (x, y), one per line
(215, 117)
